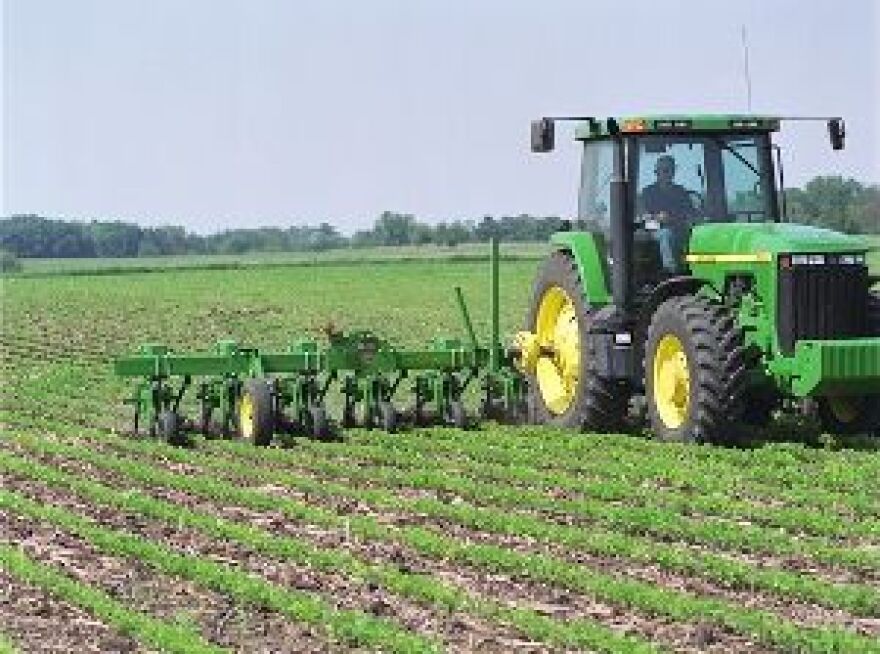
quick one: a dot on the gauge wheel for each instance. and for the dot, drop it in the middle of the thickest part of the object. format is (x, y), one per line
(458, 415)
(694, 371)
(566, 389)
(255, 416)
(319, 424)
(388, 417)
(170, 428)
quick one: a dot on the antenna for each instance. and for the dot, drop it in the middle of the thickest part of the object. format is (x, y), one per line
(745, 45)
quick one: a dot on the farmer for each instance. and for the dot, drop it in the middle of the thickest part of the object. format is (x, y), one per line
(670, 205)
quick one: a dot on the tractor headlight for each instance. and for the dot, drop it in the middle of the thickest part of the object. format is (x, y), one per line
(854, 259)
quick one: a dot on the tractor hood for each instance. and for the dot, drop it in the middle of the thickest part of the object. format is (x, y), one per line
(770, 238)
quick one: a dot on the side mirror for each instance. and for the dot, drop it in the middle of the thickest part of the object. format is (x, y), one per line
(543, 135)
(837, 133)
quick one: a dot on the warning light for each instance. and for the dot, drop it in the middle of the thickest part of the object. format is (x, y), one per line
(634, 125)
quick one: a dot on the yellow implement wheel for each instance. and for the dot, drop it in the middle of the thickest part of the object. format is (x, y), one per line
(557, 330)
(256, 420)
(672, 381)
(246, 416)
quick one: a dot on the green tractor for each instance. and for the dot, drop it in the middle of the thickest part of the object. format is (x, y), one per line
(682, 281)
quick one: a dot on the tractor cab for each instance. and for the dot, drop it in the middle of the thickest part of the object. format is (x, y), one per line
(681, 175)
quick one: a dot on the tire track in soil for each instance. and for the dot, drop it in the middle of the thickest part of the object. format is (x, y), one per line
(459, 632)
(164, 597)
(36, 621)
(553, 602)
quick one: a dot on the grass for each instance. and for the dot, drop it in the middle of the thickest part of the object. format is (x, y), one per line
(539, 507)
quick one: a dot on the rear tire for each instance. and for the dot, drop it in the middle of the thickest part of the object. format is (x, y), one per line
(695, 369)
(596, 404)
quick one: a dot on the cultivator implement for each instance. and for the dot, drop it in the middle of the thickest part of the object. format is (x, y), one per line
(256, 394)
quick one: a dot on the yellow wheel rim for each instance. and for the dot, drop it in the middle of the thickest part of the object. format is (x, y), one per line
(672, 382)
(844, 409)
(557, 331)
(246, 416)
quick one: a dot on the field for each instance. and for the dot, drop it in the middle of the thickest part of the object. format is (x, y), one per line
(463, 252)
(496, 540)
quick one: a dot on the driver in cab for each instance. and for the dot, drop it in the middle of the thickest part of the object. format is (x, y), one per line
(669, 205)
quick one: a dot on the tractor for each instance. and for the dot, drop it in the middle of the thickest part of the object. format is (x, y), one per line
(682, 284)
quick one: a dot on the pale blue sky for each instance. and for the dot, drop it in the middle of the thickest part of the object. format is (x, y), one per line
(226, 113)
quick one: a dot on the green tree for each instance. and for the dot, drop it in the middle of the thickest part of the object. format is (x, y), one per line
(836, 203)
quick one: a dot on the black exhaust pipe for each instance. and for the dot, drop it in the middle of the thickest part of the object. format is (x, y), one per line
(621, 232)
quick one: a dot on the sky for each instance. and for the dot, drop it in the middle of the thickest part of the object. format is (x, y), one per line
(217, 114)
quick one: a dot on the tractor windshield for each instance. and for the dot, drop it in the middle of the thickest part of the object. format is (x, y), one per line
(704, 178)
(680, 182)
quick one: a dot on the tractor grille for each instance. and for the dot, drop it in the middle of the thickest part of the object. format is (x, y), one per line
(828, 301)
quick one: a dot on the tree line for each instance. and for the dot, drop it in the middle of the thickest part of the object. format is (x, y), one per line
(835, 202)
(36, 236)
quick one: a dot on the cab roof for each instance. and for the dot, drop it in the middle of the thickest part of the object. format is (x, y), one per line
(677, 124)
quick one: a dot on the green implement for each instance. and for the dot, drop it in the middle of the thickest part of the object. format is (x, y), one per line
(257, 393)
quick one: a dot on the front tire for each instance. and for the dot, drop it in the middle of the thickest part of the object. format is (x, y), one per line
(567, 390)
(694, 371)
(849, 415)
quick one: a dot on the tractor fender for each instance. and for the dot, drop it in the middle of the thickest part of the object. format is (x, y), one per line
(587, 252)
(674, 287)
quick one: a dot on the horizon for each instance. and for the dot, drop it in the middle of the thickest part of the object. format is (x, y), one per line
(310, 225)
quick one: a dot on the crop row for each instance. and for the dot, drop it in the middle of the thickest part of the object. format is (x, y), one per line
(164, 636)
(637, 461)
(6, 646)
(631, 520)
(422, 588)
(348, 626)
(779, 466)
(685, 485)
(637, 595)
(859, 599)
(539, 490)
